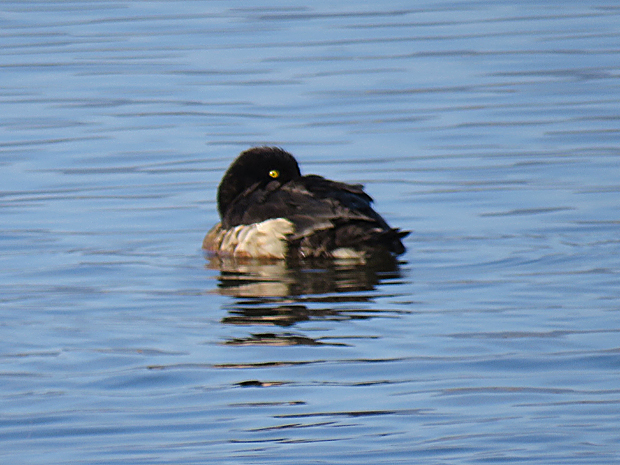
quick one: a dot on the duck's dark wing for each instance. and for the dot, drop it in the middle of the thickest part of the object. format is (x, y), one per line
(327, 215)
(319, 201)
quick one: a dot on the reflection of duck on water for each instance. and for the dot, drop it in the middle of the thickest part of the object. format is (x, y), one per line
(255, 278)
(269, 210)
(274, 293)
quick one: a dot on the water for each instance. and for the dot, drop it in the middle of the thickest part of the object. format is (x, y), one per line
(488, 129)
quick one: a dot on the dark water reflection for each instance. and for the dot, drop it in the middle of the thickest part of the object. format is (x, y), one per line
(278, 294)
(255, 278)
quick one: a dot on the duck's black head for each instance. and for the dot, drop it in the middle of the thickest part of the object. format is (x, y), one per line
(255, 166)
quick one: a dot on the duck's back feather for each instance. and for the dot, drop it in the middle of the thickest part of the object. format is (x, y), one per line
(326, 215)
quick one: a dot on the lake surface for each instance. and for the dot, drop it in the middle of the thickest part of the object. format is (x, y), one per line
(489, 129)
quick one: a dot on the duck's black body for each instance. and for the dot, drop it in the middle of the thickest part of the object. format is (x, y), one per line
(264, 198)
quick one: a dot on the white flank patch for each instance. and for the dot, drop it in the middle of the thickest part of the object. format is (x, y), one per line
(258, 240)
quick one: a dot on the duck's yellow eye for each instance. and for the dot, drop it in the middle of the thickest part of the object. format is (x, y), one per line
(274, 173)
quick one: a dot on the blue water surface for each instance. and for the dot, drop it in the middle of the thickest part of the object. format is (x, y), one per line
(491, 130)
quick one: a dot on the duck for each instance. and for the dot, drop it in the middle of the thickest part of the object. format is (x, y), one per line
(268, 209)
